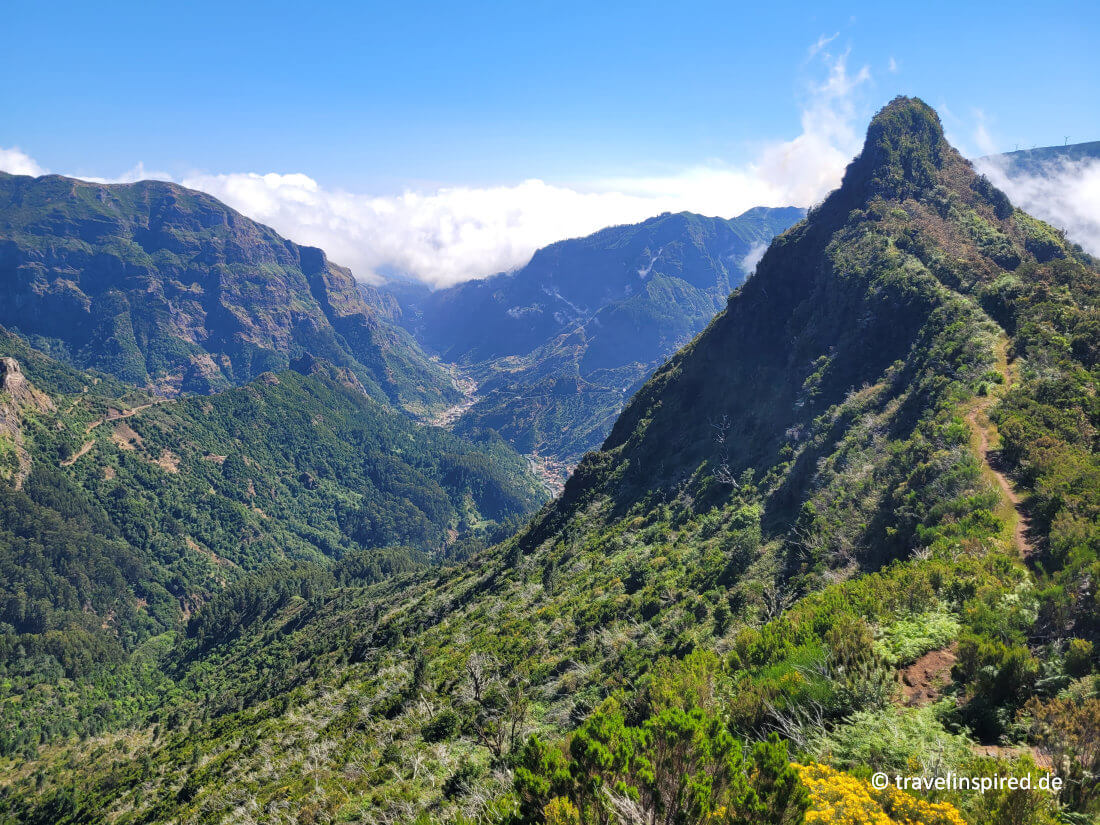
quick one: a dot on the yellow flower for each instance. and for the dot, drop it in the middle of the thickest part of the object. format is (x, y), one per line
(837, 798)
(560, 811)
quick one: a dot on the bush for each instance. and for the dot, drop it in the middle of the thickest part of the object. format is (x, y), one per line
(462, 781)
(1068, 731)
(1000, 678)
(443, 726)
(893, 741)
(676, 766)
(839, 799)
(1079, 657)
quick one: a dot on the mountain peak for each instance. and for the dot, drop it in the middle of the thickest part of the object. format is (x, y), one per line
(906, 116)
(903, 153)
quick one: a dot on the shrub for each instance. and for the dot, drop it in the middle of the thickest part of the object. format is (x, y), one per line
(462, 781)
(1079, 657)
(443, 726)
(676, 766)
(840, 799)
(1068, 731)
(560, 811)
(1000, 678)
(892, 741)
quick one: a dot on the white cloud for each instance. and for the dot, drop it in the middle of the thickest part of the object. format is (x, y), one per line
(1064, 193)
(17, 162)
(821, 43)
(797, 172)
(131, 175)
(752, 257)
(892, 66)
(458, 233)
(443, 237)
(982, 137)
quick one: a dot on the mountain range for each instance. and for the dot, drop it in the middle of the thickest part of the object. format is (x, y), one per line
(1036, 161)
(558, 346)
(170, 289)
(851, 527)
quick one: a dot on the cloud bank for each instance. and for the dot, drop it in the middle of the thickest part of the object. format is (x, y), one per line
(458, 233)
(1064, 193)
(17, 162)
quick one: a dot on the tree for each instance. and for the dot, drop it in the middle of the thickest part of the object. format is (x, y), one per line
(1068, 731)
(679, 767)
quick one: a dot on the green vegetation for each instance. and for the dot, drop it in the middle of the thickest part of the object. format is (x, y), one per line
(906, 639)
(126, 524)
(168, 288)
(803, 501)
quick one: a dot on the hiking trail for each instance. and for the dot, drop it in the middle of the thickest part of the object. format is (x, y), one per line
(992, 461)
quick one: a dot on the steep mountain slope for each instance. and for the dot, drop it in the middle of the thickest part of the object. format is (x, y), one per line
(557, 347)
(167, 287)
(120, 516)
(790, 519)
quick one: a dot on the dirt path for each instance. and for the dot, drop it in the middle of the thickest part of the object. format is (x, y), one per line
(111, 415)
(118, 416)
(71, 460)
(922, 682)
(992, 462)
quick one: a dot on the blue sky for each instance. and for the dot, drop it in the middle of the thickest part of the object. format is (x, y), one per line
(384, 100)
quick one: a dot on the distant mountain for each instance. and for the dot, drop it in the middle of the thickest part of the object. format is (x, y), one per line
(558, 346)
(1056, 184)
(169, 288)
(1037, 161)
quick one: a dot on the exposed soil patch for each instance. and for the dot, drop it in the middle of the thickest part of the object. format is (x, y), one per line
(125, 436)
(169, 462)
(922, 682)
(87, 445)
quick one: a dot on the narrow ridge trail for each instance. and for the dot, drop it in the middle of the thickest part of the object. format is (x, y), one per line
(992, 461)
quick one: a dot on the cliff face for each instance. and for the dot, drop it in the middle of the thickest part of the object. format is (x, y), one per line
(17, 396)
(170, 288)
